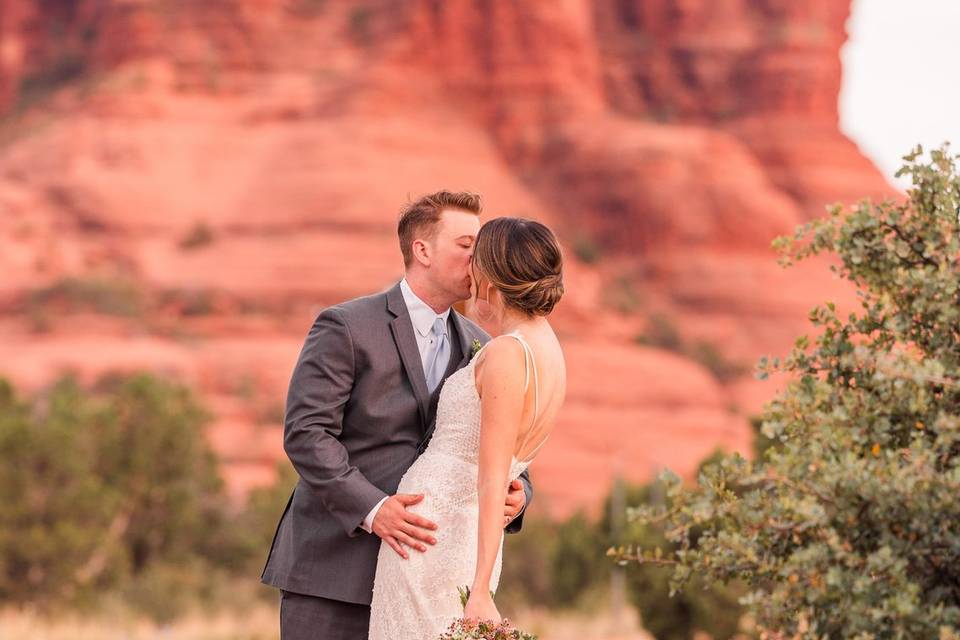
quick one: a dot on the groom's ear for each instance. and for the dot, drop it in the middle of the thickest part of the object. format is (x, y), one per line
(421, 252)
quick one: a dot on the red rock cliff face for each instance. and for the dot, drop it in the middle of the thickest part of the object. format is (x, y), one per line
(766, 71)
(613, 86)
(11, 52)
(184, 184)
(710, 62)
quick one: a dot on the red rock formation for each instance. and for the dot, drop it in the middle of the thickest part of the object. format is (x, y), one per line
(766, 71)
(215, 172)
(12, 16)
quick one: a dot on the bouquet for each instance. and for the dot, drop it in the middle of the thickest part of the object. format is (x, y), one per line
(472, 630)
(463, 629)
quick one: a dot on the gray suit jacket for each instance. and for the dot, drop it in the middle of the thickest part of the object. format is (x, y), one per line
(358, 414)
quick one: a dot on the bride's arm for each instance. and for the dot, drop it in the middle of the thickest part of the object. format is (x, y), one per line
(500, 385)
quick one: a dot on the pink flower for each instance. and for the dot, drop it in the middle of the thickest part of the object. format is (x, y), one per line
(462, 629)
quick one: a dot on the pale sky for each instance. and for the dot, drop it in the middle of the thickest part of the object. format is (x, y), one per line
(901, 84)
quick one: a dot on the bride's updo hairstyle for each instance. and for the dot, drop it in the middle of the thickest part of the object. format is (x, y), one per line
(521, 258)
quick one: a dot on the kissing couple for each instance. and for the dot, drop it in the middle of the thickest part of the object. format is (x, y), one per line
(411, 430)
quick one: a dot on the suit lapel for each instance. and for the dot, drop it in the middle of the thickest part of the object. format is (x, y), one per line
(402, 329)
(466, 344)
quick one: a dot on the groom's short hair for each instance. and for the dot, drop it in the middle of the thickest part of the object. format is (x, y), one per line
(420, 218)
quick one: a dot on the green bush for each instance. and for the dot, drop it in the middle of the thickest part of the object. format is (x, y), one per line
(54, 505)
(553, 564)
(586, 249)
(108, 296)
(187, 302)
(112, 492)
(102, 485)
(701, 609)
(151, 447)
(621, 294)
(847, 528)
(666, 614)
(662, 333)
(578, 563)
(564, 565)
(527, 559)
(722, 368)
(164, 591)
(67, 67)
(245, 550)
(200, 235)
(360, 19)
(308, 8)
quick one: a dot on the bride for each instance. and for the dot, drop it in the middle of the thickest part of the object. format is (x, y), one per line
(493, 417)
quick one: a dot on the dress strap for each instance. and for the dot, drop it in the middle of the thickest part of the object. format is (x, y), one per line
(528, 360)
(528, 352)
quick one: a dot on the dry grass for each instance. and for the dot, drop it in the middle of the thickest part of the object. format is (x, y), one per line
(578, 626)
(260, 623)
(256, 623)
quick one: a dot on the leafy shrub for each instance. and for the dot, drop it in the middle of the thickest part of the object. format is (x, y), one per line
(722, 368)
(586, 249)
(847, 528)
(67, 67)
(359, 19)
(99, 486)
(621, 294)
(108, 296)
(578, 561)
(553, 564)
(666, 614)
(200, 235)
(307, 8)
(54, 506)
(253, 527)
(564, 565)
(526, 579)
(661, 332)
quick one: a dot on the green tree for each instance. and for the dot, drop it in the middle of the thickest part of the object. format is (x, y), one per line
(54, 507)
(847, 528)
(564, 565)
(552, 564)
(99, 487)
(247, 541)
(527, 579)
(577, 562)
(151, 447)
(701, 608)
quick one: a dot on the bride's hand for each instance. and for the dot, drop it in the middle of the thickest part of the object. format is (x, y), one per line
(480, 607)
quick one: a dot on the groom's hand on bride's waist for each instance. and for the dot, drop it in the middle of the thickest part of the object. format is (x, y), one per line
(401, 528)
(516, 501)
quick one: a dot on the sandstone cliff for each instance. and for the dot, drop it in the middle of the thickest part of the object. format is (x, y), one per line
(184, 184)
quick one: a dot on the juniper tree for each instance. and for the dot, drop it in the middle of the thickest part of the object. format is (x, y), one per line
(849, 527)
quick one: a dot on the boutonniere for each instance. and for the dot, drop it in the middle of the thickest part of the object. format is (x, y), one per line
(475, 347)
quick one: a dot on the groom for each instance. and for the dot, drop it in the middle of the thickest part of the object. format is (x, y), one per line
(360, 409)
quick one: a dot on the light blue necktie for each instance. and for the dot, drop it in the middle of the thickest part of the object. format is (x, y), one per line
(440, 357)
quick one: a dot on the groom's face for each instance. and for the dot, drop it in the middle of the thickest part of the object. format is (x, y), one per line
(452, 250)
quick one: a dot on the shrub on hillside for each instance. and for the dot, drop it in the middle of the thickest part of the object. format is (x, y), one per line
(848, 527)
(667, 614)
(100, 485)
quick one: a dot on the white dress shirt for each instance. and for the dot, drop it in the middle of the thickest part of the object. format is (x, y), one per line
(422, 317)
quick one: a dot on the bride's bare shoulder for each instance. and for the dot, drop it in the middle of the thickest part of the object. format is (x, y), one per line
(503, 355)
(500, 348)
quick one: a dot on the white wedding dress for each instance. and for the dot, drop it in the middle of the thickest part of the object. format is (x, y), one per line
(418, 599)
